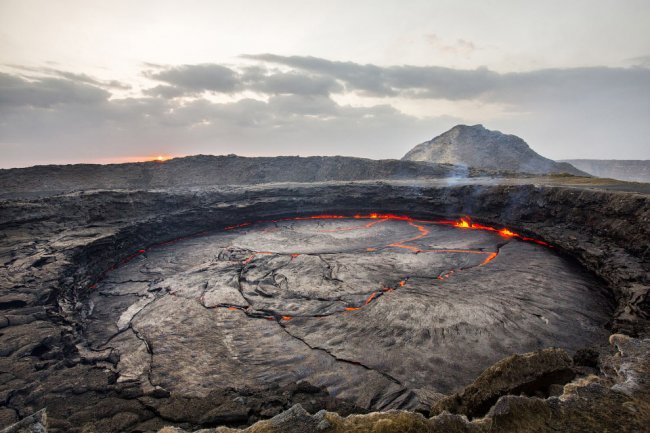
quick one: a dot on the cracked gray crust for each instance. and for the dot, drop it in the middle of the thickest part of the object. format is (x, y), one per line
(382, 328)
(53, 249)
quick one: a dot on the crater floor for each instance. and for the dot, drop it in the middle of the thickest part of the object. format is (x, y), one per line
(383, 311)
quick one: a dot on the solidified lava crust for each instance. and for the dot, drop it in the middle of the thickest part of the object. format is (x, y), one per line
(104, 330)
(353, 304)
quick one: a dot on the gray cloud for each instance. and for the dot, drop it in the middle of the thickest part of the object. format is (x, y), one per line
(84, 78)
(295, 83)
(198, 78)
(165, 91)
(195, 79)
(379, 81)
(79, 78)
(457, 84)
(46, 92)
(551, 86)
(562, 113)
(36, 127)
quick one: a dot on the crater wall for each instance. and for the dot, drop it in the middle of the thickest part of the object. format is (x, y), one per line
(54, 249)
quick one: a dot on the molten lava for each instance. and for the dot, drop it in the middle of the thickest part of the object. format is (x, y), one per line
(466, 223)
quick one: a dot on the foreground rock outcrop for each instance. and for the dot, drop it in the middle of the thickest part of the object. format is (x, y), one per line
(529, 374)
(52, 251)
(478, 147)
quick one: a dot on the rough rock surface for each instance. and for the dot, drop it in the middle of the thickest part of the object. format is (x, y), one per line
(478, 147)
(587, 404)
(631, 169)
(52, 251)
(357, 306)
(35, 423)
(530, 374)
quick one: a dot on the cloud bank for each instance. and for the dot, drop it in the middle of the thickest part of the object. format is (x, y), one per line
(271, 104)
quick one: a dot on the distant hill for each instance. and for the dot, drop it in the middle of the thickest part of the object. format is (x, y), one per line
(476, 146)
(202, 170)
(635, 170)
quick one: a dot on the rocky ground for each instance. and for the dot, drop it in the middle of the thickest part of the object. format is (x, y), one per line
(80, 342)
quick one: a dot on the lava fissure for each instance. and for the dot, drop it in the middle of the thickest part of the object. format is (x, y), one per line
(140, 336)
(343, 360)
(329, 271)
(104, 345)
(491, 256)
(109, 295)
(149, 349)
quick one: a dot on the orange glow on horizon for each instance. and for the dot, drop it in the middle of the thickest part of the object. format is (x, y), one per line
(160, 157)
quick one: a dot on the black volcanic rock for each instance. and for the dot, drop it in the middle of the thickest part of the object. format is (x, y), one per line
(476, 146)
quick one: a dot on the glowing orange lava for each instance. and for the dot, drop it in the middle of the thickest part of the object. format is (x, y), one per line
(466, 223)
(237, 226)
(400, 244)
(370, 298)
(491, 257)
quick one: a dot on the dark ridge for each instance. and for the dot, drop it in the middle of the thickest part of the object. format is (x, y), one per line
(208, 170)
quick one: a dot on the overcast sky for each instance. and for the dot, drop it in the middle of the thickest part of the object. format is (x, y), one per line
(113, 81)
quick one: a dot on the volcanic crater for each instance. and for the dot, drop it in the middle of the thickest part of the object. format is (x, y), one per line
(385, 311)
(130, 310)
